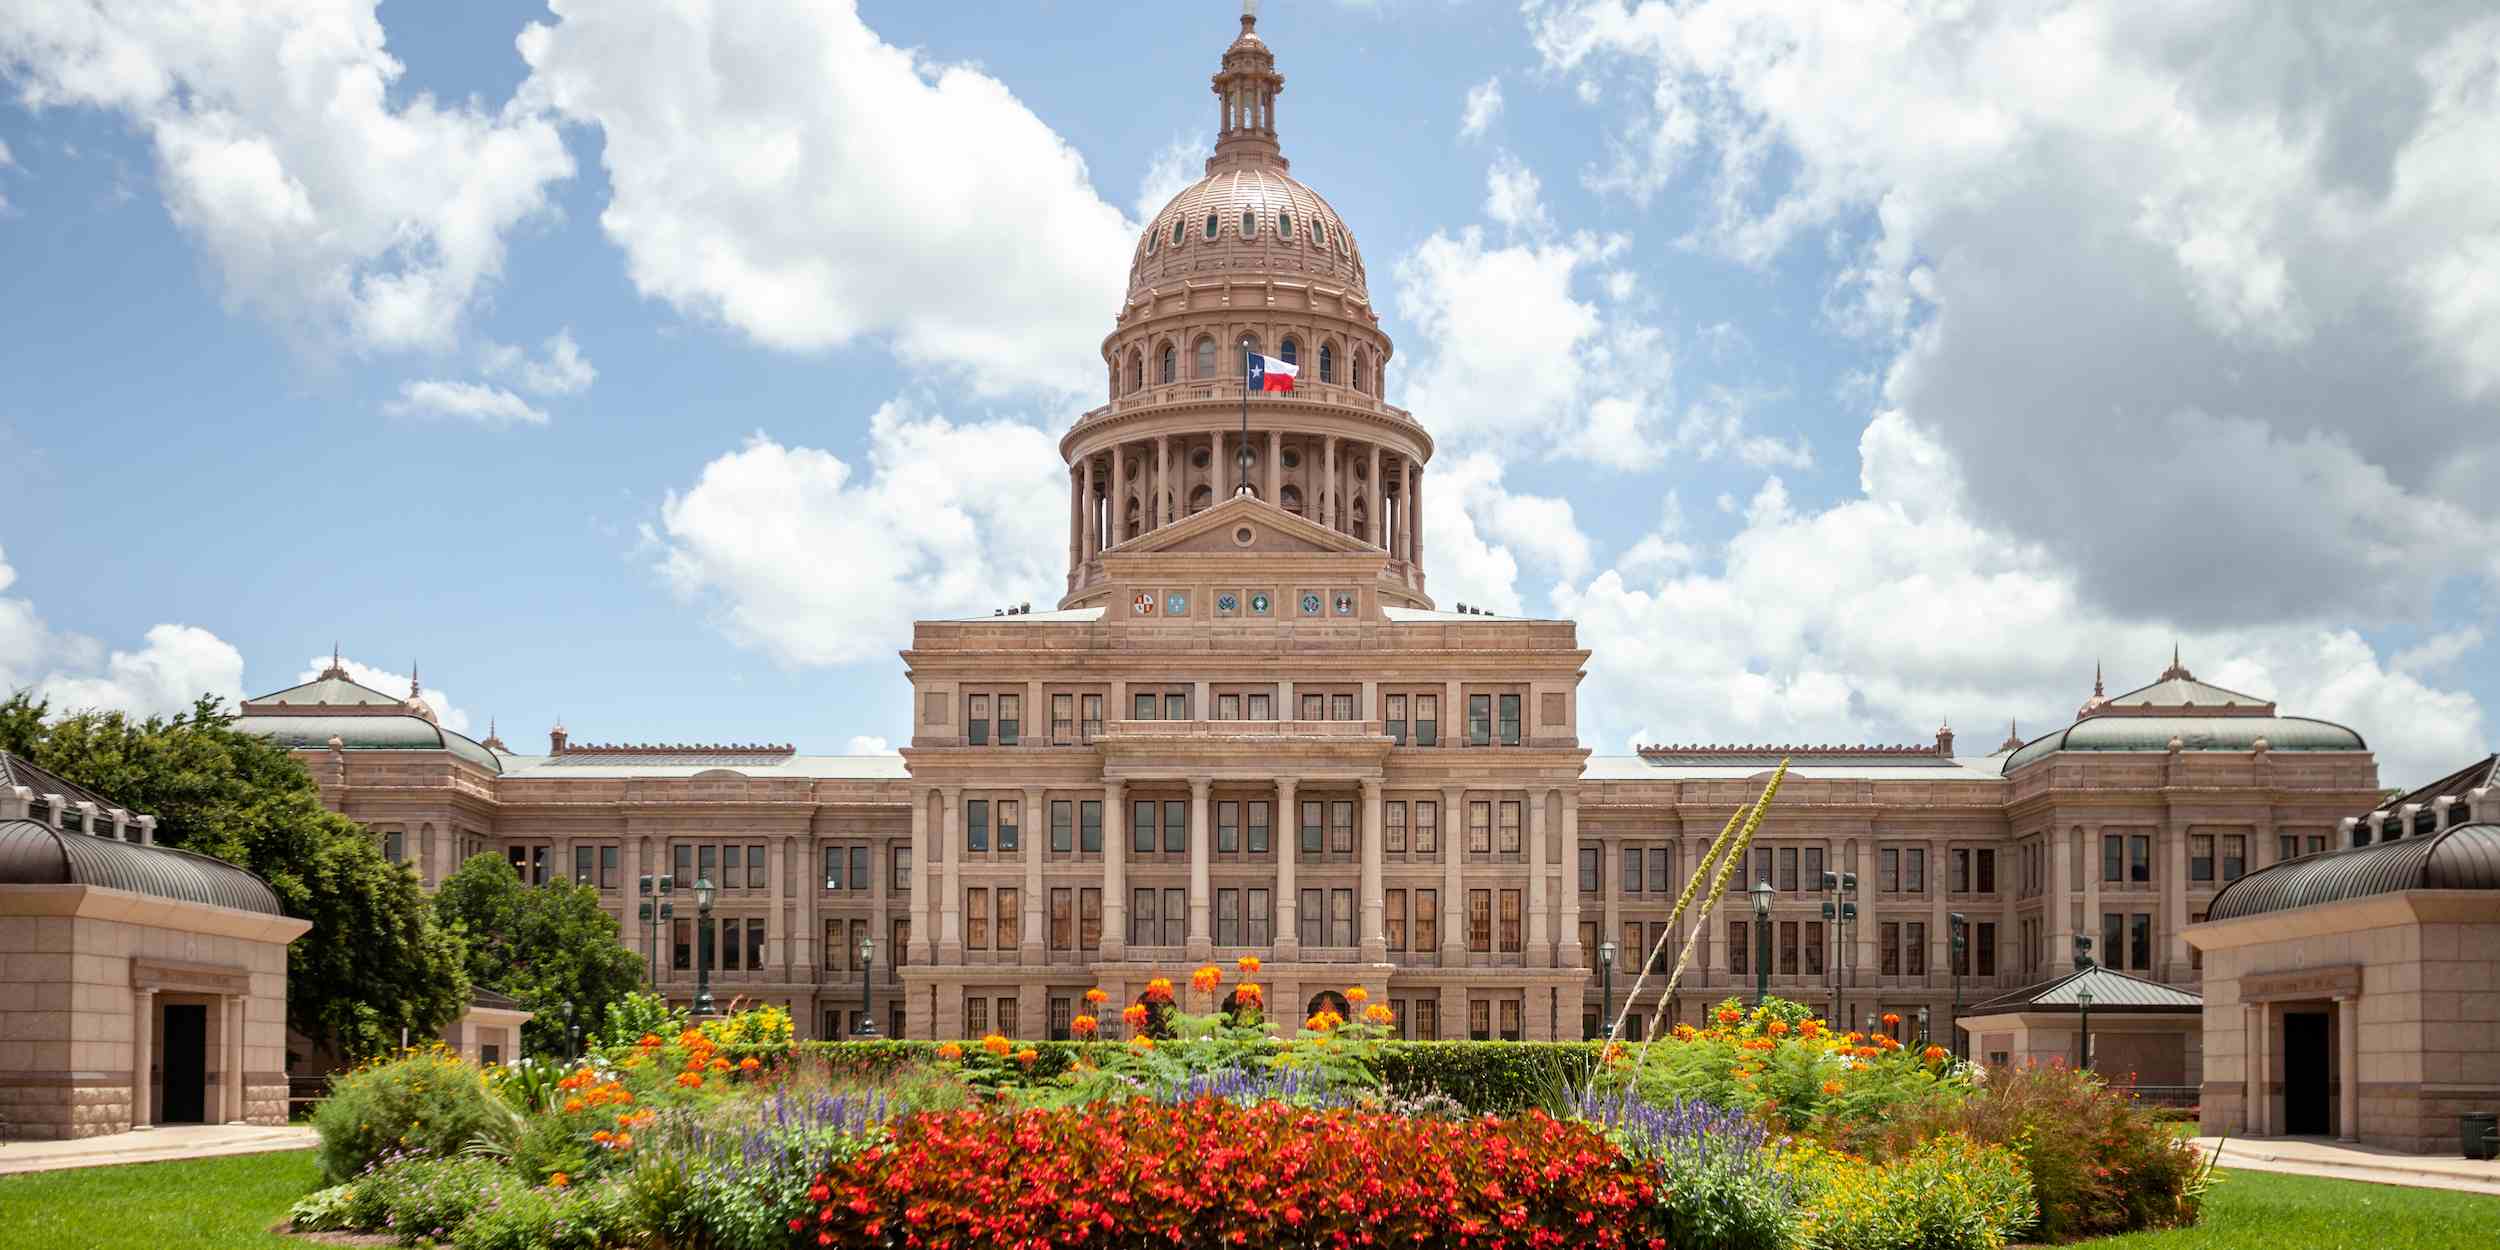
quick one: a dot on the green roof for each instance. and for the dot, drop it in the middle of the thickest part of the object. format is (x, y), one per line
(2111, 991)
(2195, 733)
(330, 691)
(367, 733)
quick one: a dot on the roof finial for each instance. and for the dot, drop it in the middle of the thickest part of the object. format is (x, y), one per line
(1249, 13)
(2096, 679)
(414, 688)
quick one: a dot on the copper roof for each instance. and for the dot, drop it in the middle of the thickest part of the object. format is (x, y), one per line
(16, 771)
(33, 853)
(2112, 990)
(2460, 857)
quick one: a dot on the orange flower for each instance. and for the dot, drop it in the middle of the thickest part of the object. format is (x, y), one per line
(1084, 1026)
(691, 1037)
(1891, 1018)
(1097, 996)
(1811, 1028)
(1142, 1042)
(1159, 990)
(1776, 1028)
(1248, 994)
(624, 1141)
(950, 1052)
(1933, 1054)
(750, 1064)
(1134, 1015)
(1686, 1033)
(574, 1104)
(559, 1180)
(1206, 979)
(690, 1080)
(1357, 995)
(649, 1040)
(720, 1065)
(996, 1044)
(1730, 1015)
(1831, 1087)
(1027, 1055)
(1249, 965)
(1377, 1014)
(1323, 1021)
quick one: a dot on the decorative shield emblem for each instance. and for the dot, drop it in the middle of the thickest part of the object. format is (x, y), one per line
(1258, 604)
(1144, 603)
(1226, 604)
(1176, 604)
(1345, 603)
(1310, 603)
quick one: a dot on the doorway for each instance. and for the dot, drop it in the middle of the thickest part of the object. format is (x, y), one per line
(2305, 1074)
(186, 1063)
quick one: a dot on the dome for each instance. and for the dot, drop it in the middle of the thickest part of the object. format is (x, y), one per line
(366, 733)
(2194, 733)
(1289, 230)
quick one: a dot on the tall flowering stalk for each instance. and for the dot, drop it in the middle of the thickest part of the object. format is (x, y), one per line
(1718, 846)
(1718, 890)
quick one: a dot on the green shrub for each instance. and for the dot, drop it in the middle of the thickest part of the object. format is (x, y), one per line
(421, 1198)
(584, 1218)
(322, 1210)
(423, 1102)
(2098, 1163)
(1947, 1193)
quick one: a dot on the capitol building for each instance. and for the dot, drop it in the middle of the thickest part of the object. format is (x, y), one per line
(1248, 728)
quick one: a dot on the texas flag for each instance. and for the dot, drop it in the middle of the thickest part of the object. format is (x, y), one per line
(1270, 374)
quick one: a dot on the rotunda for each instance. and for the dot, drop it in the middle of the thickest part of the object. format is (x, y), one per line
(1247, 261)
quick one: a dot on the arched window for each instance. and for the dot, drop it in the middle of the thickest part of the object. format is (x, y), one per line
(1177, 227)
(1169, 371)
(1284, 225)
(1360, 373)
(1136, 369)
(1330, 1000)
(1202, 366)
(1211, 225)
(1291, 497)
(1151, 240)
(1249, 223)
(1319, 233)
(1242, 353)
(1290, 351)
(1200, 498)
(1327, 362)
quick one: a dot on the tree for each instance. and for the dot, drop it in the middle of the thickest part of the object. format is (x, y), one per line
(375, 963)
(545, 946)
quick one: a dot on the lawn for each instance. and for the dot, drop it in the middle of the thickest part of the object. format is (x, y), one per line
(216, 1204)
(2274, 1211)
(199, 1204)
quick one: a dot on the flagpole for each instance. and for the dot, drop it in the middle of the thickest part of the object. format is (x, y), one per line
(1243, 461)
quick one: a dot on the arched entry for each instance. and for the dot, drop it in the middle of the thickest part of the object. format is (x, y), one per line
(1330, 1000)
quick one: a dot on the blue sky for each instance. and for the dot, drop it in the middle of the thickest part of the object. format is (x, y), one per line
(1843, 370)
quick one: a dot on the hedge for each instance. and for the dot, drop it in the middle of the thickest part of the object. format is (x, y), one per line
(1483, 1077)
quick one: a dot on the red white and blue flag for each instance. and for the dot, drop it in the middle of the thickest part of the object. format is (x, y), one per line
(1270, 374)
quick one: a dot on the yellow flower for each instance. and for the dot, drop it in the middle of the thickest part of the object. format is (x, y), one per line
(1357, 995)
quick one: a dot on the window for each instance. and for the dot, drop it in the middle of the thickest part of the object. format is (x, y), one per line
(1307, 920)
(1311, 826)
(1393, 831)
(1914, 871)
(1961, 870)
(834, 860)
(899, 951)
(1284, 224)
(1092, 724)
(1739, 946)
(1260, 920)
(1062, 826)
(755, 943)
(708, 859)
(1144, 704)
(607, 868)
(2201, 857)
(901, 858)
(1202, 359)
(1141, 826)
(1212, 225)
(1177, 227)
(1814, 868)
(1089, 918)
(976, 825)
(2113, 933)
(1987, 950)
(1427, 920)
(1480, 720)
(1228, 917)
(582, 859)
(1887, 870)
(1658, 868)
(976, 1015)
(1144, 918)
(1260, 708)
(1914, 959)
(1480, 827)
(1062, 1016)
(2113, 857)
(2140, 941)
(1479, 1020)
(1631, 874)
(1788, 948)
(1341, 707)
(1510, 843)
(1175, 826)
(1062, 918)
(1010, 719)
(1341, 827)
(2286, 846)
(1167, 369)
(1814, 948)
(1592, 872)
(1480, 921)
(1228, 827)
(976, 918)
(977, 720)
(1327, 362)
(729, 945)
(681, 939)
(2234, 856)
(1889, 942)
(1427, 720)
(1510, 1019)
(1788, 869)
(1428, 828)
(835, 952)
(1397, 719)
(1089, 825)
(1393, 919)
(1509, 725)
(2139, 858)
(1291, 351)
(1175, 917)
(1249, 224)
(1258, 826)
(1341, 917)
(1511, 943)
(1987, 871)
(1319, 235)
(1228, 707)
(1010, 930)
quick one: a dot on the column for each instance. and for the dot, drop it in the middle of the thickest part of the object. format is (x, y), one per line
(1076, 515)
(1939, 931)
(1372, 496)
(1160, 514)
(1540, 942)
(231, 1096)
(143, 1058)
(2259, 1120)
(637, 933)
(1287, 831)
(2060, 845)
(1275, 468)
(1870, 970)
(1328, 482)
(1453, 891)
(2174, 908)
(1035, 948)
(1114, 870)
(2348, 1067)
(1201, 896)
(1119, 491)
(950, 846)
(1375, 935)
(777, 920)
(1415, 516)
(924, 878)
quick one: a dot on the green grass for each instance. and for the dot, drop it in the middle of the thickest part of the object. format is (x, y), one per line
(2248, 1210)
(198, 1204)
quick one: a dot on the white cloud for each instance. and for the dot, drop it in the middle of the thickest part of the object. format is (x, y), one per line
(331, 203)
(561, 369)
(490, 406)
(1181, 163)
(1479, 535)
(868, 744)
(172, 667)
(446, 714)
(1483, 108)
(2438, 651)
(2269, 310)
(1511, 196)
(799, 554)
(778, 167)
(1878, 617)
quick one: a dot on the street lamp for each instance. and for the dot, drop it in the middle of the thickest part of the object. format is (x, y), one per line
(1762, 893)
(1606, 979)
(1841, 912)
(1960, 929)
(571, 1032)
(867, 989)
(702, 962)
(2083, 1003)
(655, 918)
(1922, 1024)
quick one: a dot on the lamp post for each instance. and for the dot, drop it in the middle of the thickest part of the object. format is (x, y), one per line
(702, 961)
(1922, 1024)
(655, 918)
(1841, 912)
(1961, 947)
(867, 988)
(572, 1032)
(2083, 1003)
(1762, 893)
(1606, 982)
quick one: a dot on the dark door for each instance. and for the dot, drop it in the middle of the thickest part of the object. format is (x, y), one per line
(2304, 1073)
(186, 1063)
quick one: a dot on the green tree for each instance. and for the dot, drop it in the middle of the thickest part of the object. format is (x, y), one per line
(375, 963)
(545, 946)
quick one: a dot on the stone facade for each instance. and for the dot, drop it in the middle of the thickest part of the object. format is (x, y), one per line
(1247, 729)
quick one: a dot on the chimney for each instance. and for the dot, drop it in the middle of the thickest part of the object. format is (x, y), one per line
(556, 739)
(1944, 740)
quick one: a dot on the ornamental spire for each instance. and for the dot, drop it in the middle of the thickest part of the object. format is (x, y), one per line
(1246, 85)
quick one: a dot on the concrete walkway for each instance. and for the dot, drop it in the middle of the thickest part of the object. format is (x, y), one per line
(2348, 1161)
(173, 1141)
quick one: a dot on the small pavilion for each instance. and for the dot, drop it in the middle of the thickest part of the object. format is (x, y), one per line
(2140, 1033)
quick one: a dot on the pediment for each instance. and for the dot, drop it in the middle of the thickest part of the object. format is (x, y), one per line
(1248, 524)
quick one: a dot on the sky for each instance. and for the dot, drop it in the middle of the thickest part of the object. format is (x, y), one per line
(1845, 369)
